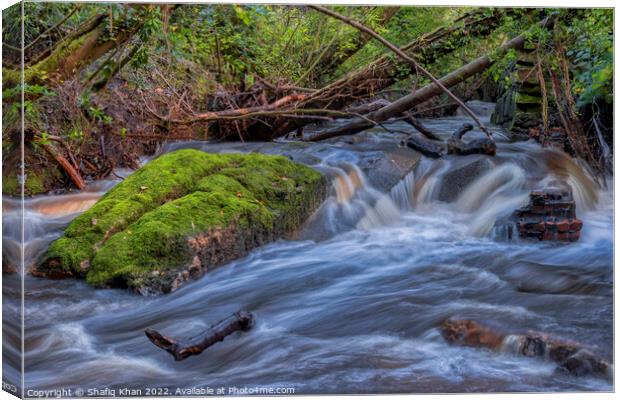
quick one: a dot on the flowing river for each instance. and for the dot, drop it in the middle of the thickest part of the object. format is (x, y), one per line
(353, 304)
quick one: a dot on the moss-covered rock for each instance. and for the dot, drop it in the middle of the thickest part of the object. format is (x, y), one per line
(181, 214)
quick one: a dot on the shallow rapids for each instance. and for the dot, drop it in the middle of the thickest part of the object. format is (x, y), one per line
(353, 304)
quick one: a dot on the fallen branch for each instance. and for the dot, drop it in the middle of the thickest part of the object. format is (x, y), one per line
(386, 70)
(429, 91)
(405, 57)
(411, 120)
(181, 349)
(75, 176)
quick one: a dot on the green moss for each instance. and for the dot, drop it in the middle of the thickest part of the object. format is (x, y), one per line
(523, 98)
(38, 73)
(35, 184)
(10, 185)
(144, 223)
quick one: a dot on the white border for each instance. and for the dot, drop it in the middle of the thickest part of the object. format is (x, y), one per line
(482, 3)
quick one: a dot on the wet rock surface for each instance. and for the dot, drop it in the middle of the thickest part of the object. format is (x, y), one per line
(571, 357)
(385, 172)
(457, 179)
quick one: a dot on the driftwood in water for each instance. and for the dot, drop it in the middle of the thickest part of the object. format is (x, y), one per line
(571, 357)
(454, 145)
(183, 348)
(411, 120)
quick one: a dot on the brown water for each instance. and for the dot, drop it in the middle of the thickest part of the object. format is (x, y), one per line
(353, 306)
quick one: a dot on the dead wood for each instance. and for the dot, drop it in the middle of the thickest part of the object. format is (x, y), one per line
(386, 70)
(411, 120)
(455, 145)
(429, 91)
(73, 173)
(408, 59)
(183, 348)
(78, 50)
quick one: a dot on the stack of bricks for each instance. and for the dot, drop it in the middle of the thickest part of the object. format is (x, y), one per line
(550, 215)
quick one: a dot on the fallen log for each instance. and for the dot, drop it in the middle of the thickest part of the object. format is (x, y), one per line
(360, 84)
(77, 52)
(571, 357)
(429, 91)
(386, 70)
(183, 348)
(454, 145)
(410, 60)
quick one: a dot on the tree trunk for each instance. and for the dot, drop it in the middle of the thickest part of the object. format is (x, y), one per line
(406, 103)
(76, 52)
(181, 349)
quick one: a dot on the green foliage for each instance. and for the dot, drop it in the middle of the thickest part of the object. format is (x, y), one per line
(591, 52)
(29, 90)
(99, 115)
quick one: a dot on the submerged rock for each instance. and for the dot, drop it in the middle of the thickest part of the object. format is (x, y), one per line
(571, 357)
(457, 179)
(182, 214)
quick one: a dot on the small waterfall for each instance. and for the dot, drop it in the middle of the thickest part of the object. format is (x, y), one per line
(353, 204)
(403, 193)
(507, 177)
(583, 186)
(347, 183)
(494, 195)
(429, 183)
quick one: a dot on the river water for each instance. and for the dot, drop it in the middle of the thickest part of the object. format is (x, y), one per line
(352, 305)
